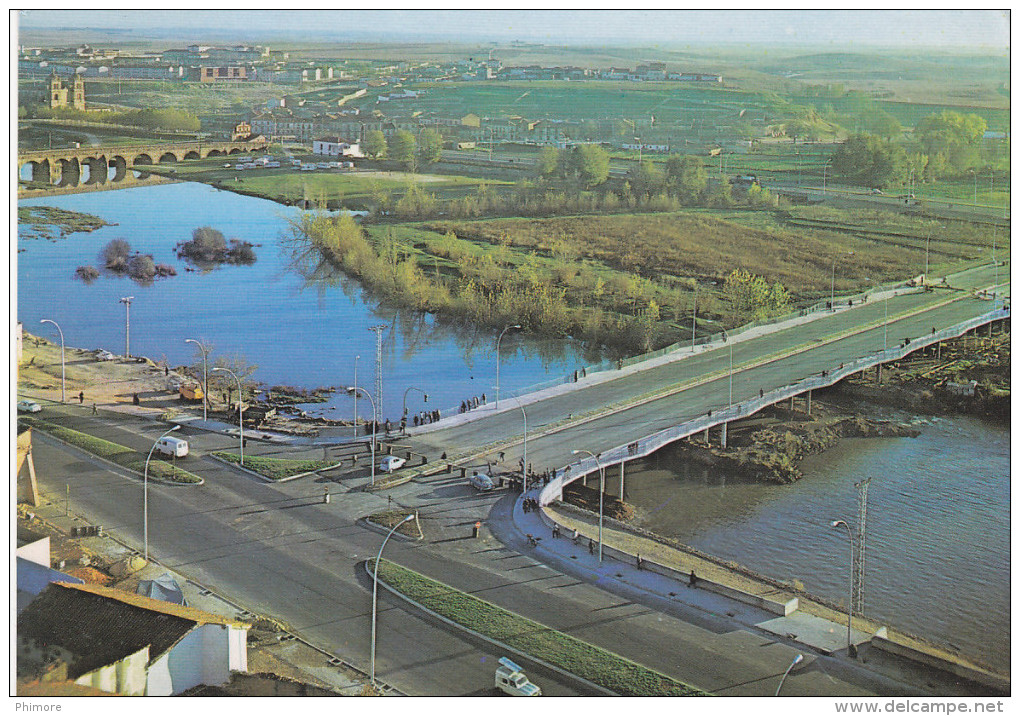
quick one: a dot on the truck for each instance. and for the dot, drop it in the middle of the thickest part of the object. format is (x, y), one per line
(510, 679)
(191, 391)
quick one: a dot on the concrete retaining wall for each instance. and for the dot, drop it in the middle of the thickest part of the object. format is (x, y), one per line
(1000, 684)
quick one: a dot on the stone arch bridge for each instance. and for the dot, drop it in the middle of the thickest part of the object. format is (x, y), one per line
(66, 167)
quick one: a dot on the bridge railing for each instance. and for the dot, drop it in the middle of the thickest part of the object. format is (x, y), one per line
(645, 446)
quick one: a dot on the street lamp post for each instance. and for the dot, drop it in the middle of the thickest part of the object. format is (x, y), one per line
(62, 375)
(205, 376)
(927, 244)
(240, 402)
(796, 660)
(405, 397)
(375, 586)
(850, 603)
(145, 491)
(731, 374)
(524, 472)
(374, 420)
(126, 300)
(694, 314)
(832, 285)
(356, 397)
(515, 326)
(602, 492)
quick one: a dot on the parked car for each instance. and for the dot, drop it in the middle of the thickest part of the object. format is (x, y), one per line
(105, 355)
(481, 482)
(391, 463)
(28, 406)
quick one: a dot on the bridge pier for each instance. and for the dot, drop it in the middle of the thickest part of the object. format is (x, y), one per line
(722, 435)
(621, 480)
(878, 374)
(791, 402)
(708, 441)
(809, 402)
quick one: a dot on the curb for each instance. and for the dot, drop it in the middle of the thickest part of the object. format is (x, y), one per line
(128, 470)
(379, 529)
(490, 640)
(262, 477)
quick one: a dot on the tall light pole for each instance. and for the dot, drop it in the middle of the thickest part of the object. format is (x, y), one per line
(240, 403)
(404, 414)
(374, 420)
(515, 326)
(850, 603)
(602, 491)
(375, 586)
(356, 397)
(694, 314)
(62, 375)
(731, 373)
(524, 472)
(832, 286)
(126, 300)
(796, 660)
(145, 491)
(927, 244)
(885, 323)
(205, 376)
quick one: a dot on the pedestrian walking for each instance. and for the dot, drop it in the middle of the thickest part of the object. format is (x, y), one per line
(483, 398)
(761, 392)
(81, 397)
(591, 546)
(502, 456)
(94, 411)
(640, 562)
(694, 579)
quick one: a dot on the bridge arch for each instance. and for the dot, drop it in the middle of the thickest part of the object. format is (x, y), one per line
(97, 170)
(70, 172)
(168, 158)
(116, 168)
(215, 153)
(235, 150)
(192, 155)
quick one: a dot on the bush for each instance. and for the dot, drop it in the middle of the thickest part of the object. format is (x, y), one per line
(88, 274)
(141, 267)
(115, 255)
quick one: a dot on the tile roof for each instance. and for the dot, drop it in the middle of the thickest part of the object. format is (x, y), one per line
(101, 625)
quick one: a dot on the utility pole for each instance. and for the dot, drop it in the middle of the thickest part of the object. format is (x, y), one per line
(862, 520)
(126, 300)
(378, 369)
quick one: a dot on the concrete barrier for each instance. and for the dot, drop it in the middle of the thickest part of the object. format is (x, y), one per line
(998, 683)
(782, 607)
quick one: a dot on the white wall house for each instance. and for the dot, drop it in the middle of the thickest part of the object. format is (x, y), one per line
(126, 643)
(336, 147)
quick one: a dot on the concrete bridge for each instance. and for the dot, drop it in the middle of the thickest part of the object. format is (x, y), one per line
(98, 165)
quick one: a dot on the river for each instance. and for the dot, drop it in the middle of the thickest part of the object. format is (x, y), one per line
(300, 322)
(938, 529)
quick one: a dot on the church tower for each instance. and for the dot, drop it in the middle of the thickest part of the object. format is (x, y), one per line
(79, 92)
(58, 93)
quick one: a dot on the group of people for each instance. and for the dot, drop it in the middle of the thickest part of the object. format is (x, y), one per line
(472, 403)
(530, 504)
(423, 417)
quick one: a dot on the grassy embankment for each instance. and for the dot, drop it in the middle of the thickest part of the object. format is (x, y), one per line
(627, 280)
(331, 188)
(274, 468)
(588, 661)
(118, 454)
(40, 219)
(388, 518)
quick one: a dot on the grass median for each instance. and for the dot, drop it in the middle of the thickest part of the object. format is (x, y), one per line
(275, 468)
(588, 661)
(118, 454)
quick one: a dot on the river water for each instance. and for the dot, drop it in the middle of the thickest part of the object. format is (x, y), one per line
(938, 550)
(300, 322)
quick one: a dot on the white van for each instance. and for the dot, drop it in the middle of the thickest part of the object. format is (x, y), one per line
(174, 447)
(391, 463)
(481, 482)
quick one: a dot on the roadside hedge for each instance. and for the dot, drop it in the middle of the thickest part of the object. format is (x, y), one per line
(275, 468)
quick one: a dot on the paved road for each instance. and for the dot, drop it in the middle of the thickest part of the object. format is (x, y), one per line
(275, 549)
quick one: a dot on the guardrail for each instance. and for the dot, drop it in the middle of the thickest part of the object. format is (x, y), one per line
(645, 446)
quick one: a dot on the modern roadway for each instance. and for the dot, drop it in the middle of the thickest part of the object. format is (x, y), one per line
(276, 549)
(604, 415)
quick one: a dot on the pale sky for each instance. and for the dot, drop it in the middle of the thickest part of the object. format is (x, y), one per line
(896, 28)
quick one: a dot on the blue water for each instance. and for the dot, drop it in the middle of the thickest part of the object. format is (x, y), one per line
(938, 526)
(301, 323)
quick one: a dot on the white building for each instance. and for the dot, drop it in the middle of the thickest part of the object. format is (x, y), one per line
(336, 147)
(125, 643)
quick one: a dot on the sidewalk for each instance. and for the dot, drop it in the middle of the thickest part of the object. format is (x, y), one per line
(812, 623)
